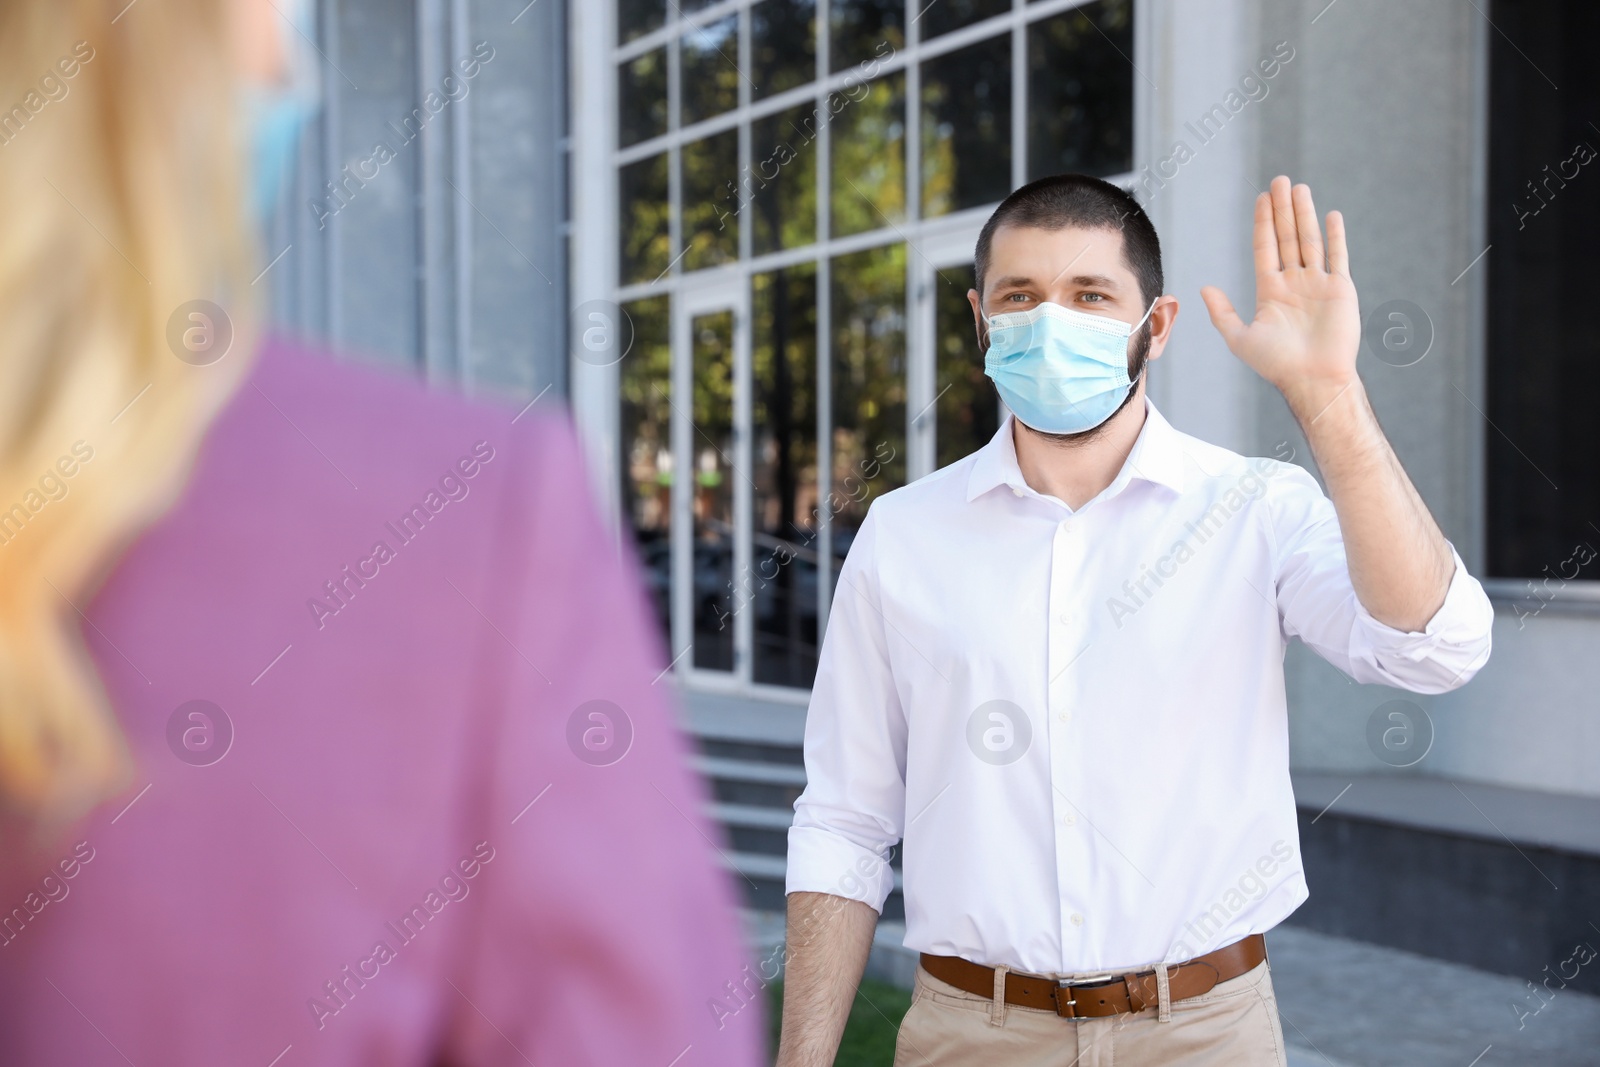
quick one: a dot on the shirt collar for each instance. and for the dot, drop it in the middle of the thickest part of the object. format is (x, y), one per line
(1157, 456)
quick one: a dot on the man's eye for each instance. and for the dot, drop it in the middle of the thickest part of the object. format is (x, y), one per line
(1092, 298)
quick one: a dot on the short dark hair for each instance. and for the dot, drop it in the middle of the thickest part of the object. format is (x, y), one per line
(1064, 200)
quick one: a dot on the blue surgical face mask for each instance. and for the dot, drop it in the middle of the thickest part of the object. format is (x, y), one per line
(273, 116)
(1060, 371)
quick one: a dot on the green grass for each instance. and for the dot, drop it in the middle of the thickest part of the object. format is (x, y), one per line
(869, 1034)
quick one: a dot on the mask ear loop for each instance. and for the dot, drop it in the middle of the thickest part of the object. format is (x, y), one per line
(1134, 384)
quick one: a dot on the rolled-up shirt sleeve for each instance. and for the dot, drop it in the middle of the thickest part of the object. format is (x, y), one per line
(853, 807)
(1318, 603)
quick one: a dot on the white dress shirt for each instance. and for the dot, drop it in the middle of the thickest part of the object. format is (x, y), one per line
(1076, 720)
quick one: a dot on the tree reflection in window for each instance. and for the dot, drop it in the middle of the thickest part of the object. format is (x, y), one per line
(711, 196)
(966, 127)
(710, 74)
(869, 155)
(645, 238)
(783, 179)
(1080, 91)
(868, 295)
(967, 409)
(711, 445)
(783, 571)
(645, 417)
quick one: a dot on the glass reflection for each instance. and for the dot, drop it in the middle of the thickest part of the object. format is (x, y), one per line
(635, 18)
(645, 390)
(711, 200)
(710, 75)
(966, 127)
(1080, 91)
(864, 30)
(642, 98)
(868, 293)
(783, 179)
(784, 528)
(783, 45)
(645, 241)
(711, 344)
(869, 155)
(946, 15)
(967, 411)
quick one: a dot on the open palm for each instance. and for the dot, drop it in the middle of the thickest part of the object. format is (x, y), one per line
(1307, 326)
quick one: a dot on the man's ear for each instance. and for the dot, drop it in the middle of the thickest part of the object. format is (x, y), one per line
(1162, 319)
(978, 325)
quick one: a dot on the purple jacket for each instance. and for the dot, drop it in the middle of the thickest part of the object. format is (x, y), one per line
(409, 788)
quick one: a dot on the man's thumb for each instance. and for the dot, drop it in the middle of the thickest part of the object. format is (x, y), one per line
(1223, 316)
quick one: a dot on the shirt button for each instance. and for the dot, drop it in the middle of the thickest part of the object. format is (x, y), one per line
(1077, 920)
(1015, 491)
(1062, 716)
(1070, 819)
(1066, 619)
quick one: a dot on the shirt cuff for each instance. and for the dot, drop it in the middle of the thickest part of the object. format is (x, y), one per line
(821, 861)
(1464, 619)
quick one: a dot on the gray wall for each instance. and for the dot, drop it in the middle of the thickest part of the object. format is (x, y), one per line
(1382, 111)
(448, 256)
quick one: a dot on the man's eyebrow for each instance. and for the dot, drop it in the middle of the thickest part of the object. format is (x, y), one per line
(1087, 281)
(1013, 281)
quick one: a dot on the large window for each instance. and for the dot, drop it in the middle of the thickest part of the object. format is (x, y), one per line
(1543, 350)
(800, 186)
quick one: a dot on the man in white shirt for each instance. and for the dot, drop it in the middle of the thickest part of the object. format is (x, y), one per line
(1054, 669)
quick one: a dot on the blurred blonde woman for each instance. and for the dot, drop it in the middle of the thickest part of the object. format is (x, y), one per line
(328, 729)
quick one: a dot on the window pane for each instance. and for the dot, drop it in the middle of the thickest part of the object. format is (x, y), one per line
(711, 342)
(1543, 381)
(646, 243)
(784, 528)
(635, 18)
(868, 294)
(967, 409)
(783, 45)
(869, 155)
(864, 30)
(642, 98)
(942, 16)
(646, 452)
(966, 127)
(710, 77)
(1080, 91)
(711, 200)
(783, 179)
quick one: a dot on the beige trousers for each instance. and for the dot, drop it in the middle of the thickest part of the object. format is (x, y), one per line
(1233, 1025)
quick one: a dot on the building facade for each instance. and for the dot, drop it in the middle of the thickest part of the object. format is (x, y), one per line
(759, 274)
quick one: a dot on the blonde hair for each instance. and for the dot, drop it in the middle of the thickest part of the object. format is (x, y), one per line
(120, 171)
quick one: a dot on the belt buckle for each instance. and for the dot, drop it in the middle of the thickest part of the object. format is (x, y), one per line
(1065, 1007)
(1069, 1002)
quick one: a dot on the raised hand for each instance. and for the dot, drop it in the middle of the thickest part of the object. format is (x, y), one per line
(1307, 327)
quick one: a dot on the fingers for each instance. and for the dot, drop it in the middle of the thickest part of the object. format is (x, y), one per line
(1305, 220)
(1266, 239)
(1283, 220)
(1338, 252)
(1223, 316)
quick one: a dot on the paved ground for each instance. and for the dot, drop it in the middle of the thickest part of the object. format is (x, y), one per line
(1350, 1004)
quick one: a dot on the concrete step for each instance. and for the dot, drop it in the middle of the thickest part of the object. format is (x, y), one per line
(752, 783)
(756, 829)
(753, 816)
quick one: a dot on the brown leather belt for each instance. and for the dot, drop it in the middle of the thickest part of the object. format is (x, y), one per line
(1113, 996)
